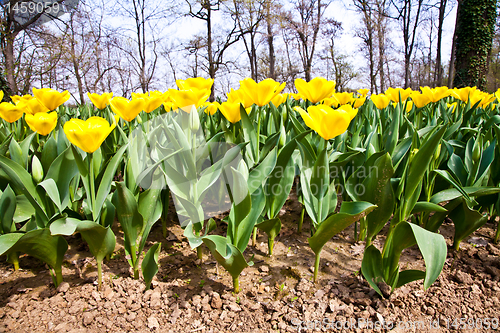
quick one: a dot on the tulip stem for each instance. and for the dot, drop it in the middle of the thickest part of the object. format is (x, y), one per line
(236, 284)
(254, 236)
(92, 185)
(301, 221)
(316, 267)
(99, 275)
(497, 235)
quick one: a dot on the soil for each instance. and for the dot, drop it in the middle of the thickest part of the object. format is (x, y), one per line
(276, 295)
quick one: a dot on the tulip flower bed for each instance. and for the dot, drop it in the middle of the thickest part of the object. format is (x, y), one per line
(387, 175)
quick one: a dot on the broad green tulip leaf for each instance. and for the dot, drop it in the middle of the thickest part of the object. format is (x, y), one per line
(378, 190)
(457, 167)
(4, 147)
(372, 268)
(250, 135)
(245, 228)
(108, 212)
(50, 187)
(270, 143)
(21, 180)
(49, 153)
(473, 191)
(107, 178)
(408, 276)
(101, 240)
(420, 164)
(466, 221)
(63, 169)
(8, 204)
(82, 166)
(271, 227)
(446, 175)
(177, 182)
(424, 206)
(150, 207)
(226, 254)
(393, 134)
(128, 215)
(150, 264)
(242, 204)
(7, 241)
(320, 177)
(432, 246)
(45, 247)
(257, 176)
(350, 212)
(280, 180)
(16, 154)
(210, 226)
(486, 159)
(24, 209)
(189, 233)
(186, 208)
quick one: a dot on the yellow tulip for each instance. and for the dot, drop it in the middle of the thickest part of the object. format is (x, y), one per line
(211, 108)
(363, 92)
(352, 112)
(169, 106)
(435, 94)
(195, 83)
(100, 101)
(279, 99)
(327, 122)
(409, 105)
(152, 103)
(359, 101)
(393, 94)
(343, 97)
(125, 108)
(42, 122)
(1, 95)
(10, 112)
(32, 106)
(462, 93)
(88, 135)
(420, 100)
(331, 102)
(16, 98)
(263, 92)
(184, 99)
(51, 98)
(139, 95)
(316, 89)
(381, 101)
(232, 111)
(497, 94)
(296, 96)
(238, 96)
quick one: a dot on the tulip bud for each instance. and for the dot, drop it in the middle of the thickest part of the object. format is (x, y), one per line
(36, 170)
(438, 152)
(194, 120)
(476, 152)
(282, 136)
(139, 120)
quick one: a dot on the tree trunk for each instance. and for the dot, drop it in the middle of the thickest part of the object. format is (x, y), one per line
(9, 62)
(270, 43)
(438, 76)
(211, 65)
(474, 35)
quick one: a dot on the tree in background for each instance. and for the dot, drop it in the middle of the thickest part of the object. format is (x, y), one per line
(474, 35)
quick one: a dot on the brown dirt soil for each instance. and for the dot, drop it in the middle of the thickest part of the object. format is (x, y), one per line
(277, 294)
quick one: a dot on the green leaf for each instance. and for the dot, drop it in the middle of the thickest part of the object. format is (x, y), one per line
(378, 190)
(8, 203)
(250, 135)
(45, 247)
(226, 254)
(371, 267)
(466, 221)
(128, 215)
(446, 175)
(457, 167)
(408, 276)
(424, 206)
(49, 153)
(150, 264)
(350, 212)
(420, 164)
(107, 178)
(7, 241)
(271, 227)
(16, 153)
(21, 180)
(4, 147)
(257, 176)
(246, 226)
(150, 207)
(320, 177)
(24, 209)
(50, 187)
